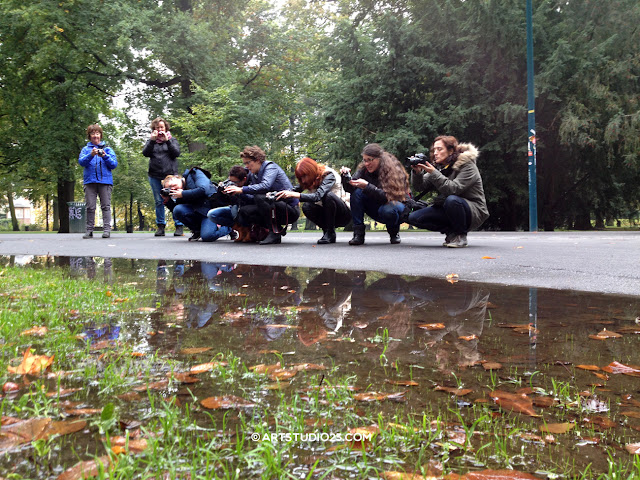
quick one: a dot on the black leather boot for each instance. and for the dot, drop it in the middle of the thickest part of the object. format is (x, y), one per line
(328, 237)
(394, 234)
(272, 239)
(358, 235)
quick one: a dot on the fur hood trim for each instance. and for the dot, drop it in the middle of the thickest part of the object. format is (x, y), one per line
(468, 153)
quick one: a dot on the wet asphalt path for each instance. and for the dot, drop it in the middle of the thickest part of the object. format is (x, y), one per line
(606, 262)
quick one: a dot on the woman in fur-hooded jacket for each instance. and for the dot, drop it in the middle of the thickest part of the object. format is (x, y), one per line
(460, 205)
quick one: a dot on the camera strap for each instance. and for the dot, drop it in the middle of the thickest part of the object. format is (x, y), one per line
(274, 222)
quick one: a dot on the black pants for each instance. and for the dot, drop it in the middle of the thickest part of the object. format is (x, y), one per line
(332, 213)
(260, 213)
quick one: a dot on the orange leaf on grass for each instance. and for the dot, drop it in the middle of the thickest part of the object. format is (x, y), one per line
(468, 338)
(498, 475)
(378, 397)
(90, 468)
(134, 445)
(633, 448)
(557, 427)
(458, 392)
(488, 258)
(206, 367)
(514, 402)
(432, 326)
(32, 364)
(617, 367)
(492, 366)
(224, 402)
(403, 383)
(194, 350)
(36, 331)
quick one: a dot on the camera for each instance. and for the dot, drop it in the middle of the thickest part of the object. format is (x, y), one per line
(100, 152)
(346, 177)
(226, 183)
(271, 195)
(416, 159)
(166, 192)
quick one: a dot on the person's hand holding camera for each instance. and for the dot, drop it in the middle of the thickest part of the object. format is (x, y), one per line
(154, 134)
(359, 183)
(233, 190)
(284, 194)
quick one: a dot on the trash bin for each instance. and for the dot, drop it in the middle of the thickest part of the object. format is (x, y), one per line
(77, 217)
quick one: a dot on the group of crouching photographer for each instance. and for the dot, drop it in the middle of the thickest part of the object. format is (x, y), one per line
(257, 202)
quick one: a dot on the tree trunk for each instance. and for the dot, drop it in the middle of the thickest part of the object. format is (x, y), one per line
(65, 194)
(12, 210)
(56, 214)
(46, 218)
(140, 218)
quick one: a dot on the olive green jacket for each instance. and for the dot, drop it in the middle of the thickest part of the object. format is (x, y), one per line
(465, 182)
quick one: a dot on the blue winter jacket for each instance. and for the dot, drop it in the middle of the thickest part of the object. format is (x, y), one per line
(97, 169)
(270, 178)
(197, 190)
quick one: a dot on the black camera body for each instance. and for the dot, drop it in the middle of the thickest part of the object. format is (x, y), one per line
(165, 191)
(417, 159)
(346, 177)
(100, 152)
(271, 195)
(226, 183)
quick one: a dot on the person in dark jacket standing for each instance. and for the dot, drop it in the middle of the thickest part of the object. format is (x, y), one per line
(163, 151)
(378, 188)
(188, 198)
(325, 203)
(460, 205)
(265, 177)
(98, 161)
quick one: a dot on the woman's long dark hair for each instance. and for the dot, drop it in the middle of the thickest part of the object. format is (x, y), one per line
(393, 178)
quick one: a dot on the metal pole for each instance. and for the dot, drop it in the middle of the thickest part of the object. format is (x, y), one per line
(531, 132)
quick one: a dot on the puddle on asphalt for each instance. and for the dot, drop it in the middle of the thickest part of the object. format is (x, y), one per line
(442, 347)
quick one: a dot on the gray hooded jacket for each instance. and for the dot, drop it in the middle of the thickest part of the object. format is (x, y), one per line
(465, 182)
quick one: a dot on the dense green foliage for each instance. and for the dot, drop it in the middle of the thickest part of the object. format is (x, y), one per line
(324, 78)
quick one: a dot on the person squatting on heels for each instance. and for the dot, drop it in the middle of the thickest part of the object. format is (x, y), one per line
(460, 205)
(324, 205)
(378, 188)
(265, 177)
(187, 196)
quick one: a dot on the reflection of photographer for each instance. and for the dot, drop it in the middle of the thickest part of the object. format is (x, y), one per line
(187, 197)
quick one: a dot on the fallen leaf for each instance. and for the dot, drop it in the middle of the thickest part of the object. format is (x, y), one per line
(588, 367)
(617, 367)
(452, 277)
(194, 350)
(277, 325)
(602, 422)
(630, 413)
(432, 326)
(403, 383)
(468, 338)
(633, 448)
(206, 367)
(134, 445)
(89, 468)
(458, 392)
(377, 397)
(514, 402)
(492, 366)
(488, 258)
(604, 334)
(499, 475)
(32, 364)
(224, 402)
(557, 428)
(36, 331)
(182, 377)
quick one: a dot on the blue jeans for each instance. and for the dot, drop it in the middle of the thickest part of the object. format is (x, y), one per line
(224, 216)
(388, 213)
(197, 222)
(156, 186)
(454, 216)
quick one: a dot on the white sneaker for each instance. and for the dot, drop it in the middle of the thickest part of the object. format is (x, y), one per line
(458, 241)
(448, 239)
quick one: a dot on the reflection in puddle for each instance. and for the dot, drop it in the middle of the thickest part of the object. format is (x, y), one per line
(432, 344)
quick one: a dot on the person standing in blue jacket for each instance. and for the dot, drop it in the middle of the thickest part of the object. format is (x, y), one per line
(98, 160)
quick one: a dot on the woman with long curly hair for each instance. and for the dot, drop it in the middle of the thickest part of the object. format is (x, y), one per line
(460, 205)
(325, 203)
(378, 188)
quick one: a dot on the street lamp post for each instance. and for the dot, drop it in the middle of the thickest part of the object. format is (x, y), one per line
(531, 131)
